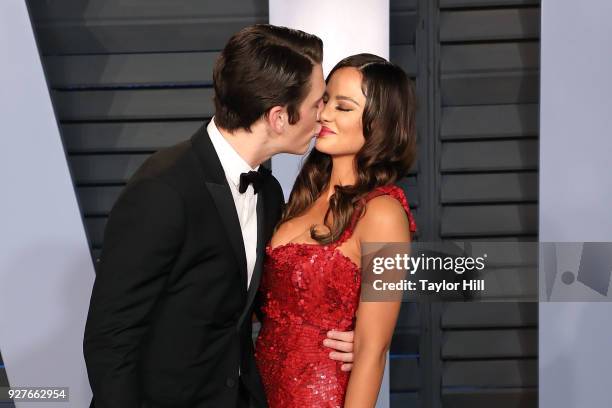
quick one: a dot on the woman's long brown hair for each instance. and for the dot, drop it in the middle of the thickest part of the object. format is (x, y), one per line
(387, 154)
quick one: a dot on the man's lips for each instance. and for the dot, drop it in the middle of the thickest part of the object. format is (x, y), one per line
(326, 131)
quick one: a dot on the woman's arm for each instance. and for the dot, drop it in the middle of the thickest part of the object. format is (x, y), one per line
(384, 221)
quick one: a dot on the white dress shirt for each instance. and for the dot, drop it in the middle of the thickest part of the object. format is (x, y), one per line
(246, 203)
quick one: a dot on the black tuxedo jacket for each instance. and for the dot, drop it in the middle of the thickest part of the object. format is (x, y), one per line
(170, 315)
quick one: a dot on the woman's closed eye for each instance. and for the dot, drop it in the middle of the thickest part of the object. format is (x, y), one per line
(341, 108)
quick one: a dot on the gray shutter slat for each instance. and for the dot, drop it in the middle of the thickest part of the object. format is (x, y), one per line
(493, 121)
(98, 200)
(493, 187)
(131, 36)
(108, 168)
(503, 155)
(498, 398)
(489, 315)
(155, 69)
(134, 104)
(474, 344)
(509, 284)
(95, 253)
(402, 27)
(485, 3)
(3, 378)
(398, 5)
(491, 373)
(501, 255)
(409, 316)
(509, 87)
(493, 24)
(95, 230)
(126, 137)
(405, 374)
(479, 240)
(143, 9)
(489, 220)
(464, 58)
(405, 341)
(405, 57)
(405, 399)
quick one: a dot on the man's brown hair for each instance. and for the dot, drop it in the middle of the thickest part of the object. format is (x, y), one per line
(263, 66)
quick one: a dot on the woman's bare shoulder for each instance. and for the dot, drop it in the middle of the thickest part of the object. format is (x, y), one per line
(384, 220)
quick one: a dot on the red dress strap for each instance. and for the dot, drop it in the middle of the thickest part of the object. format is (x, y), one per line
(392, 190)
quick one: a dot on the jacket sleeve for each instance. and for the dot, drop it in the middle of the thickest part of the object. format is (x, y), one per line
(143, 237)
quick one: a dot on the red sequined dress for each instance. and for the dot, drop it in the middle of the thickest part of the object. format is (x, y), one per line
(307, 290)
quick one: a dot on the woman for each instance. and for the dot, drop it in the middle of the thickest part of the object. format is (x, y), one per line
(343, 196)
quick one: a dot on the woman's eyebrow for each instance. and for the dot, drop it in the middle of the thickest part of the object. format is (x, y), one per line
(346, 98)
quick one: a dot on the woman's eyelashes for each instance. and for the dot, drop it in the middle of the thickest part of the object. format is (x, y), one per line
(338, 107)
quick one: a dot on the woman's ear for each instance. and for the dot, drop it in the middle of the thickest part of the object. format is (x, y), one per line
(277, 118)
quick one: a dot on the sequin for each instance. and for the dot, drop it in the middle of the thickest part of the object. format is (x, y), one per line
(307, 290)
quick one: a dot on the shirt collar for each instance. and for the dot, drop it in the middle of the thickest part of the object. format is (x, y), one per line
(233, 164)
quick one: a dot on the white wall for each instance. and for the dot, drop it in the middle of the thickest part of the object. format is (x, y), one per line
(46, 272)
(575, 353)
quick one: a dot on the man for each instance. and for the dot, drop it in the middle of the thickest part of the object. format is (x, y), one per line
(169, 322)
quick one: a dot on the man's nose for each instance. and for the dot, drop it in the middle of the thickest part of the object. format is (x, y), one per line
(323, 116)
(320, 109)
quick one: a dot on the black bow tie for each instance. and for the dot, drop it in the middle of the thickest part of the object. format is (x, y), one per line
(252, 177)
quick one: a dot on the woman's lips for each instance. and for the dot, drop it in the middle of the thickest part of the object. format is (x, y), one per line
(325, 131)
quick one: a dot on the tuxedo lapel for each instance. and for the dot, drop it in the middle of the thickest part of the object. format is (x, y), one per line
(224, 202)
(216, 183)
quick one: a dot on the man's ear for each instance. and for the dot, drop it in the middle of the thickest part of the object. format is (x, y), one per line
(277, 119)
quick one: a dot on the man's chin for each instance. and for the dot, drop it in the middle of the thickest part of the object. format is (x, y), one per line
(304, 148)
(298, 152)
